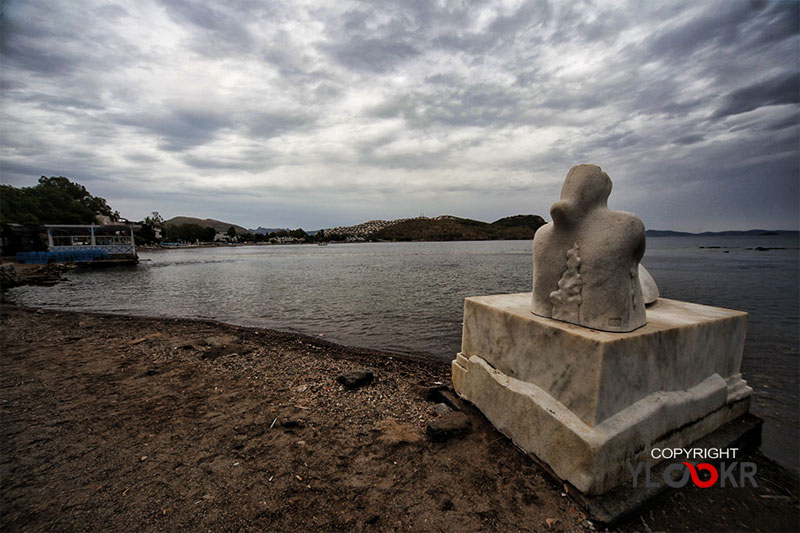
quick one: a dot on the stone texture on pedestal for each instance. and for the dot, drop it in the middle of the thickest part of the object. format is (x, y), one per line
(595, 374)
(586, 401)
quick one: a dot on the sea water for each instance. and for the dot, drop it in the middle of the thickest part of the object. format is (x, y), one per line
(408, 297)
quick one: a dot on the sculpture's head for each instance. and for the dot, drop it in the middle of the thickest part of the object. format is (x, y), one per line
(585, 188)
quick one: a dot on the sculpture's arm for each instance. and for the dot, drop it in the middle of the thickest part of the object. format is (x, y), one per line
(561, 213)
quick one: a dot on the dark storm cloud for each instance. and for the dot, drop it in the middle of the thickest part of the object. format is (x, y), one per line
(377, 40)
(780, 20)
(374, 49)
(141, 158)
(111, 11)
(217, 29)
(179, 129)
(372, 54)
(53, 41)
(721, 27)
(690, 139)
(31, 169)
(781, 89)
(32, 57)
(530, 15)
(680, 107)
(226, 163)
(248, 159)
(457, 103)
(792, 121)
(478, 101)
(372, 155)
(503, 31)
(292, 63)
(27, 174)
(60, 102)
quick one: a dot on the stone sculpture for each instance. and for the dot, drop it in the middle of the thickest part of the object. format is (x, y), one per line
(587, 401)
(586, 262)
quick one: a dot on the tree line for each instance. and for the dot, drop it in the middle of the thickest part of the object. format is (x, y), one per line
(55, 200)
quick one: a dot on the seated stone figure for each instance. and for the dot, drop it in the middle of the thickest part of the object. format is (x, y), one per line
(586, 262)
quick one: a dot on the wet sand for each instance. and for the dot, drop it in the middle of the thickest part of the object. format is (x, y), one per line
(129, 423)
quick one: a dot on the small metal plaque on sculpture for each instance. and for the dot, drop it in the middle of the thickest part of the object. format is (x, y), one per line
(586, 262)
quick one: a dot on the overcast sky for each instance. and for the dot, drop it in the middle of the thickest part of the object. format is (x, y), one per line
(317, 114)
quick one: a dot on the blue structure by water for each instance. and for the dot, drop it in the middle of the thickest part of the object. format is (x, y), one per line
(71, 256)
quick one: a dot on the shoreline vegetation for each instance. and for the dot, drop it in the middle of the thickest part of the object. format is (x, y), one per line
(57, 200)
(121, 422)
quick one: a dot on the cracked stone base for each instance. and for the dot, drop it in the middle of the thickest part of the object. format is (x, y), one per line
(567, 414)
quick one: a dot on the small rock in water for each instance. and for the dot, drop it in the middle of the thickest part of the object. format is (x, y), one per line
(355, 379)
(448, 426)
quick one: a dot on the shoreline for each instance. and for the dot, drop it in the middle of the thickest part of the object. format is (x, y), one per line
(115, 421)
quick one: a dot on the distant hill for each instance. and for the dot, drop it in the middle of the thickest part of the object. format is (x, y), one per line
(730, 233)
(365, 230)
(218, 225)
(450, 228)
(533, 222)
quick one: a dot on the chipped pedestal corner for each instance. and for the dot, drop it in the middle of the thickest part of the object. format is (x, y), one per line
(585, 401)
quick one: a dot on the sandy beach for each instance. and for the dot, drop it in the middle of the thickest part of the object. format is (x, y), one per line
(129, 423)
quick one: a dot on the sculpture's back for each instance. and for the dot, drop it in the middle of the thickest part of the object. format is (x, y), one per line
(585, 262)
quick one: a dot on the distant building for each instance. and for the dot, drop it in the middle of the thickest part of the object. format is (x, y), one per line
(284, 240)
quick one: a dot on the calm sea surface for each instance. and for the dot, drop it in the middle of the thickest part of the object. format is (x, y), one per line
(408, 297)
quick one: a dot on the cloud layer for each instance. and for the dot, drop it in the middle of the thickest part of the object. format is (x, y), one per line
(306, 114)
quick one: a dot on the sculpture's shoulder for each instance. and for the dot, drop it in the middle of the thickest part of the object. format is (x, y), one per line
(626, 223)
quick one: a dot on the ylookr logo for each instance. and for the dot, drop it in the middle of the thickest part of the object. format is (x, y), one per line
(703, 475)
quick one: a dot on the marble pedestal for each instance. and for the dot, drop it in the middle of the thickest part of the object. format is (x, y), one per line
(585, 401)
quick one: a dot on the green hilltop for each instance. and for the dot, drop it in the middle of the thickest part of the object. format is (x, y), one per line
(218, 225)
(450, 228)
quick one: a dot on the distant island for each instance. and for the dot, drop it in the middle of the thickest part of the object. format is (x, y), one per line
(441, 228)
(729, 233)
